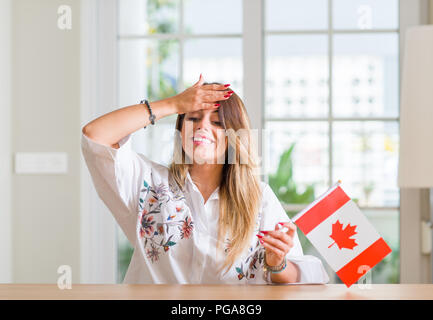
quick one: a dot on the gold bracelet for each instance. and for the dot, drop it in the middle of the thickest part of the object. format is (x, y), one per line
(274, 269)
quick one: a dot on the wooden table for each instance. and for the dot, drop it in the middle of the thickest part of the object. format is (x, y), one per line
(216, 292)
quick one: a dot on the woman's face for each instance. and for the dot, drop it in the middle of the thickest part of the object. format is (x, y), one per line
(203, 137)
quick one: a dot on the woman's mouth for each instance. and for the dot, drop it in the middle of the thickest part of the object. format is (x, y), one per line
(201, 141)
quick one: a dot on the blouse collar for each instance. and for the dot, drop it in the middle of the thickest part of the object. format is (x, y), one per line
(213, 196)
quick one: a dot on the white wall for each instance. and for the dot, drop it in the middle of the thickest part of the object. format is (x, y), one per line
(45, 118)
(414, 266)
(431, 12)
(5, 131)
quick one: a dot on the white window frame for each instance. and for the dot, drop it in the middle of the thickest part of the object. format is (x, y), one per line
(99, 95)
(98, 254)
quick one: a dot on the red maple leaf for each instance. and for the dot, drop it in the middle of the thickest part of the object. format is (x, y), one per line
(342, 236)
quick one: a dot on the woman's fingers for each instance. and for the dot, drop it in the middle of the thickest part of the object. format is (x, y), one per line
(217, 87)
(278, 252)
(290, 226)
(215, 96)
(210, 105)
(279, 239)
(199, 82)
(284, 244)
(201, 96)
(284, 237)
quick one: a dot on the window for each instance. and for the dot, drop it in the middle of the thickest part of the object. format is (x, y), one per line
(331, 75)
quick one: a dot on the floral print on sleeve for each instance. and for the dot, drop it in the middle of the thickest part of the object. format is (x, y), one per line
(254, 259)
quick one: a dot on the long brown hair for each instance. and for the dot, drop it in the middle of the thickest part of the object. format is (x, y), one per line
(239, 192)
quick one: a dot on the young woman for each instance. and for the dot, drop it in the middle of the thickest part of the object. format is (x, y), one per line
(207, 218)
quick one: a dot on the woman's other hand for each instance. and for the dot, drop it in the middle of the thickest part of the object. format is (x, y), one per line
(201, 96)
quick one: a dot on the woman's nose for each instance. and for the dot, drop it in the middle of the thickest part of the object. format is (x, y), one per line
(203, 123)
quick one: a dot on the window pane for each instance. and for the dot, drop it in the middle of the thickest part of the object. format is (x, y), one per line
(296, 15)
(147, 69)
(365, 156)
(365, 14)
(210, 16)
(366, 75)
(297, 76)
(309, 159)
(138, 17)
(219, 60)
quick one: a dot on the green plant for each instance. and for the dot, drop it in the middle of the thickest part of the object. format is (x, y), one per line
(286, 190)
(124, 257)
(283, 185)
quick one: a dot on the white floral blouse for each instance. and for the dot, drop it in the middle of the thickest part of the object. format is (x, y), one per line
(174, 233)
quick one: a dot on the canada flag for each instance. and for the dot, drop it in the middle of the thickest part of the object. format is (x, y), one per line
(342, 234)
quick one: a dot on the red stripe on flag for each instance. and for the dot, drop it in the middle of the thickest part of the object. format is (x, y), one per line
(371, 256)
(322, 210)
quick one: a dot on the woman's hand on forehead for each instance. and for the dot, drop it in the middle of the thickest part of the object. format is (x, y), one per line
(201, 96)
(215, 92)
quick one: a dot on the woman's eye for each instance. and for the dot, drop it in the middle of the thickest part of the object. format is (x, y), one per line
(193, 119)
